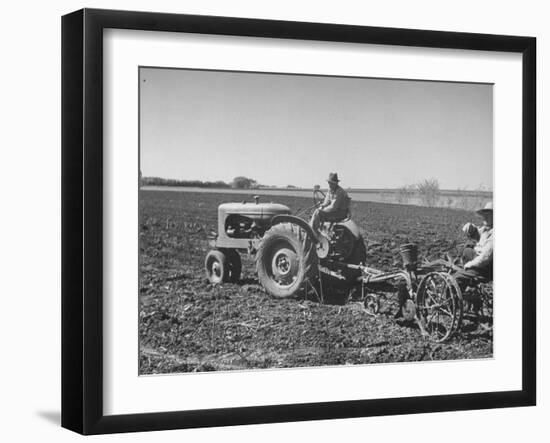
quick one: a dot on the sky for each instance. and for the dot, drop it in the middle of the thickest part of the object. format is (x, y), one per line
(282, 129)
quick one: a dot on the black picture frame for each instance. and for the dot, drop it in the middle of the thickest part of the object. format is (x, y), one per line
(82, 220)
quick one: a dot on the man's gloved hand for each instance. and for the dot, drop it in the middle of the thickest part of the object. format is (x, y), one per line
(468, 265)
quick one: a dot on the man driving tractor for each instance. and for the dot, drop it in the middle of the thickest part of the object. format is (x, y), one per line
(334, 208)
(478, 261)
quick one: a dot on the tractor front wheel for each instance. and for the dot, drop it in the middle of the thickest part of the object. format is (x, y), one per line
(217, 267)
(286, 260)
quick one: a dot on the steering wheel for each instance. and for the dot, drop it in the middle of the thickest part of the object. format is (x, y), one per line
(318, 197)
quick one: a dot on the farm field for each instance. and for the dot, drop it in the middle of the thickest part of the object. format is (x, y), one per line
(187, 324)
(447, 198)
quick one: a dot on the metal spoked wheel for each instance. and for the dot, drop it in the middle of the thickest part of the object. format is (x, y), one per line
(440, 306)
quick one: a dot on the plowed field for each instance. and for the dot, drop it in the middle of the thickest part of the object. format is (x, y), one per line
(187, 324)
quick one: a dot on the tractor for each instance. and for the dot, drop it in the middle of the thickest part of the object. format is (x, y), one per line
(291, 258)
(288, 254)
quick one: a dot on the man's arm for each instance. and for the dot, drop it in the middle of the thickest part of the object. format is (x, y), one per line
(484, 258)
(326, 201)
(338, 202)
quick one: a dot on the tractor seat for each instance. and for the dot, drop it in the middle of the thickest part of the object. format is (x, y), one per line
(347, 217)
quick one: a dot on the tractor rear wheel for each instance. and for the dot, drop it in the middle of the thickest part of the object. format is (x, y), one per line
(217, 267)
(286, 260)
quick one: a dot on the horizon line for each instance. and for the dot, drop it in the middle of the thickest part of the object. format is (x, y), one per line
(291, 187)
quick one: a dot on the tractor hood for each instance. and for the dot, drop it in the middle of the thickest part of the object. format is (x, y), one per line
(255, 211)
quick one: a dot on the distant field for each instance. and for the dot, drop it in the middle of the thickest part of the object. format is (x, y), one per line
(186, 324)
(468, 200)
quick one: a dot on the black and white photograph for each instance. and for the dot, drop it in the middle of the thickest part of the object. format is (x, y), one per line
(274, 221)
(297, 221)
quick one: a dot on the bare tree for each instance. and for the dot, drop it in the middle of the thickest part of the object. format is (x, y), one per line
(428, 191)
(405, 193)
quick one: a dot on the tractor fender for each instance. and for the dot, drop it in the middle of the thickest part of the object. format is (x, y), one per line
(284, 218)
(352, 227)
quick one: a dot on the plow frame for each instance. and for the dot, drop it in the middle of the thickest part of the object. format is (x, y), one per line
(423, 303)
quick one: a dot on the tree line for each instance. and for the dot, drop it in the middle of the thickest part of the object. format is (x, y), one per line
(239, 182)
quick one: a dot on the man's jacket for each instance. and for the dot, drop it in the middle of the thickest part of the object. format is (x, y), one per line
(336, 201)
(483, 248)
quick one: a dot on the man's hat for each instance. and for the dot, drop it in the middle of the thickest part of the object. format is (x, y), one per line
(333, 177)
(487, 208)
